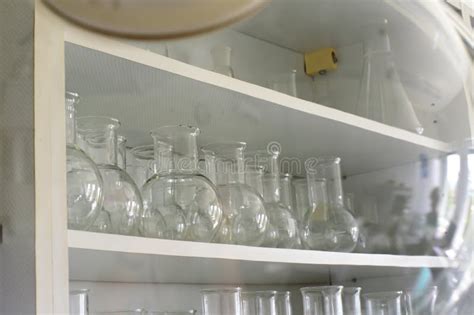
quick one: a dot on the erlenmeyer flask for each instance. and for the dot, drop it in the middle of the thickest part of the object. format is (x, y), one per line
(325, 300)
(187, 200)
(383, 303)
(121, 196)
(245, 219)
(351, 301)
(221, 301)
(343, 225)
(280, 216)
(382, 96)
(315, 228)
(221, 59)
(84, 182)
(283, 303)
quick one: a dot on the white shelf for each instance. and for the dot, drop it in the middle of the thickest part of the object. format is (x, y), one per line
(140, 81)
(105, 257)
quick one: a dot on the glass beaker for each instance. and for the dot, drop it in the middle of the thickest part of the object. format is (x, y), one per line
(221, 301)
(79, 302)
(283, 303)
(382, 96)
(420, 301)
(324, 300)
(122, 199)
(285, 83)
(383, 303)
(316, 229)
(351, 300)
(85, 194)
(343, 225)
(221, 59)
(249, 303)
(186, 199)
(245, 220)
(280, 216)
(266, 302)
(141, 164)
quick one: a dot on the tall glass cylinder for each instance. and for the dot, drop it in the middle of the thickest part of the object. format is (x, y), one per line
(79, 302)
(266, 303)
(186, 199)
(122, 199)
(283, 303)
(383, 303)
(221, 301)
(351, 300)
(85, 188)
(245, 219)
(249, 303)
(343, 225)
(324, 300)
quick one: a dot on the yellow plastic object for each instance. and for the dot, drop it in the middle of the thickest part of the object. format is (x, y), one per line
(320, 61)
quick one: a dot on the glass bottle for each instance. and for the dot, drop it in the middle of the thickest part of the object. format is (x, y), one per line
(280, 216)
(351, 300)
(186, 199)
(266, 302)
(221, 301)
(121, 196)
(316, 228)
(383, 303)
(122, 152)
(249, 303)
(221, 59)
(85, 193)
(420, 301)
(382, 96)
(324, 300)
(342, 223)
(79, 302)
(245, 219)
(141, 165)
(283, 303)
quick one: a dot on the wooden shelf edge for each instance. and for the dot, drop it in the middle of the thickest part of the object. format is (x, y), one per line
(126, 51)
(161, 247)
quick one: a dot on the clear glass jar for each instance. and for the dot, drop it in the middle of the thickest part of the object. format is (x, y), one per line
(221, 59)
(342, 224)
(122, 199)
(351, 300)
(420, 301)
(383, 303)
(266, 302)
(221, 301)
(85, 193)
(245, 219)
(280, 216)
(324, 300)
(186, 199)
(79, 302)
(283, 303)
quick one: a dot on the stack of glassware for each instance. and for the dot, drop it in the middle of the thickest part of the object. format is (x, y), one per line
(239, 197)
(320, 300)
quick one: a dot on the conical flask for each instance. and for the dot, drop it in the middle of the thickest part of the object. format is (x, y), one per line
(382, 96)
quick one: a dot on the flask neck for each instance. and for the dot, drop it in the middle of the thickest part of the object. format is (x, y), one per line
(254, 178)
(71, 100)
(271, 188)
(98, 137)
(286, 193)
(330, 170)
(225, 162)
(184, 153)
